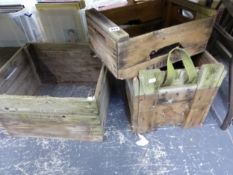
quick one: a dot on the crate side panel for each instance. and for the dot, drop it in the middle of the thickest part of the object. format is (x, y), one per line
(88, 132)
(44, 105)
(102, 95)
(193, 36)
(17, 76)
(61, 63)
(135, 13)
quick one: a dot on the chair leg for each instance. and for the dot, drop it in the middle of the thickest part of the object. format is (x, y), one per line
(212, 42)
(228, 119)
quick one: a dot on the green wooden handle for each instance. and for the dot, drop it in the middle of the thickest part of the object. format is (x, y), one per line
(188, 65)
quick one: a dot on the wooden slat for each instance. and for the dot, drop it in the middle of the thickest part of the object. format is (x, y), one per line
(24, 104)
(30, 60)
(109, 57)
(196, 7)
(17, 77)
(105, 24)
(142, 12)
(65, 63)
(53, 118)
(210, 78)
(133, 101)
(138, 29)
(157, 62)
(171, 114)
(19, 83)
(102, 95)
(47, 129)
(6, 53)
(140, 47)
(10, 71)
(94, 30)
(83, 90)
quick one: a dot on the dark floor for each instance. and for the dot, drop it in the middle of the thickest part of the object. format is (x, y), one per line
(171, 150)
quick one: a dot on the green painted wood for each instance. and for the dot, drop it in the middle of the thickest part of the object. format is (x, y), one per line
(211, 76)
(150, 80)
(107, 26)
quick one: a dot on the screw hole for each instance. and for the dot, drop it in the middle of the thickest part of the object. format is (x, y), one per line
(6, 108)
(63, 116)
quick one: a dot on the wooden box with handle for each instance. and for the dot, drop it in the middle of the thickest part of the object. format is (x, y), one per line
(174, 96)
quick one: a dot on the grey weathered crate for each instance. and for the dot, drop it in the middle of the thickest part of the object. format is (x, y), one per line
(54, 90)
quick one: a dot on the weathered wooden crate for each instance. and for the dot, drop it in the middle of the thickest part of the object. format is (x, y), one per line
(54, 90)
(187, 104)
(130, 38)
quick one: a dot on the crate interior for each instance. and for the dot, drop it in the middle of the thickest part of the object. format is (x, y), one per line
(150, 16)
(56, 71)
(198, 60)
(6, 53)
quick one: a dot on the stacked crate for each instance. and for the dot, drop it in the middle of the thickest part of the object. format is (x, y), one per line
(138, 37)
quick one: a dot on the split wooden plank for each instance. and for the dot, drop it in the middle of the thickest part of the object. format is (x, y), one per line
(211, 77)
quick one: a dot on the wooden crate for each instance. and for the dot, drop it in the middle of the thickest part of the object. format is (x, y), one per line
(54, 90)
(186, 105)
(130, 38)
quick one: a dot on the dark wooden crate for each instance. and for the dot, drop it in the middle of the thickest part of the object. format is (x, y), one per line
(54, 90)
(186, 105)
(130, 38)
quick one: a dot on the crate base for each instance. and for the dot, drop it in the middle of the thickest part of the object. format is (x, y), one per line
(66, 90)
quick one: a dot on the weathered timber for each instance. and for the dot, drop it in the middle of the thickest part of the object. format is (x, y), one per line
(54, 90)
(127, 48)
(153, 104)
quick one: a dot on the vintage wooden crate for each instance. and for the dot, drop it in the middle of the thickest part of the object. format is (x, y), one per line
(153, 103)
(54, 90)
(130, 38)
